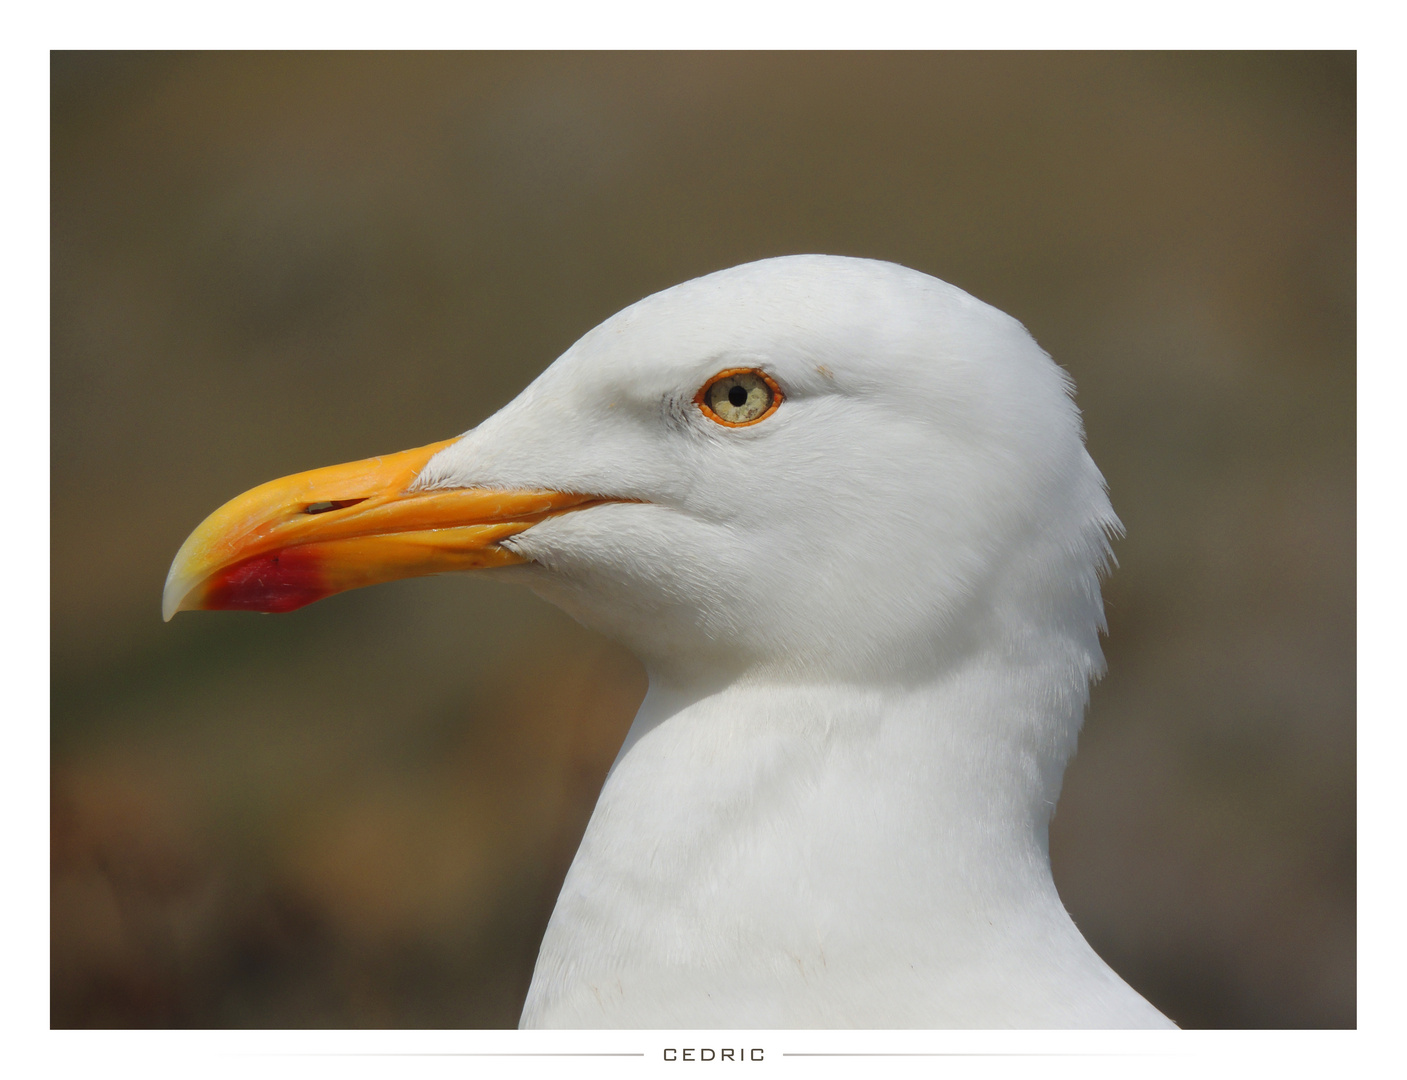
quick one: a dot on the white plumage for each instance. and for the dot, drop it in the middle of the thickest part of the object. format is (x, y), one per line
(869, 621)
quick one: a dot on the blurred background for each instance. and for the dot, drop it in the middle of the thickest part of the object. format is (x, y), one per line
(360, 813)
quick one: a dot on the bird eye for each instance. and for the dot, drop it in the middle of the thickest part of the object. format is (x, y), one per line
(739, 397)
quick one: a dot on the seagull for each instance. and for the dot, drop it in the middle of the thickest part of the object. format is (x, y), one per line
(843, 513)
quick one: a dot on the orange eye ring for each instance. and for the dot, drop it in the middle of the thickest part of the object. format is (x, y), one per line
(760, 396)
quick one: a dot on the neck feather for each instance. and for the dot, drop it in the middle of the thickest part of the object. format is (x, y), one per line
(763, 850)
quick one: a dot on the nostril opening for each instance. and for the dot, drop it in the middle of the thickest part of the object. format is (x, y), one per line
(331, 504)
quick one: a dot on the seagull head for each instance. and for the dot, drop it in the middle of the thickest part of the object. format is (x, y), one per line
(800, 465)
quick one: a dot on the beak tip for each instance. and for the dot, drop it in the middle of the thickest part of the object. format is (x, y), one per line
(173, 596)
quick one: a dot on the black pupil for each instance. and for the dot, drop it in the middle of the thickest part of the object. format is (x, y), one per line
(737, 396)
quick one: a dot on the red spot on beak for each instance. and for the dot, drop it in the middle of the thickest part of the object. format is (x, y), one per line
(282, 581)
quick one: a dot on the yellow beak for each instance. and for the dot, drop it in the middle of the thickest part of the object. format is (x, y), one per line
(295, 540)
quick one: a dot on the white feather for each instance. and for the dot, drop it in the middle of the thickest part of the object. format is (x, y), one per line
(869, 622)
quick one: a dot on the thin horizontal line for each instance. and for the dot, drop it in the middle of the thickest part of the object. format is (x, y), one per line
(957, 1053)
(461, 1053)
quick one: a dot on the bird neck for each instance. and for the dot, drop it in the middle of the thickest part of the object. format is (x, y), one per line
(838, 833)
(967, 763)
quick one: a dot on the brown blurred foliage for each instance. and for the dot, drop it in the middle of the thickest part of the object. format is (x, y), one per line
(359, 814)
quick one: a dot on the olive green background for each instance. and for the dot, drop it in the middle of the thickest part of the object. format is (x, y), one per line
(359, 813)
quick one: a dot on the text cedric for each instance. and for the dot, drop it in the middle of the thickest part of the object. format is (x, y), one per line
(708, 1053)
